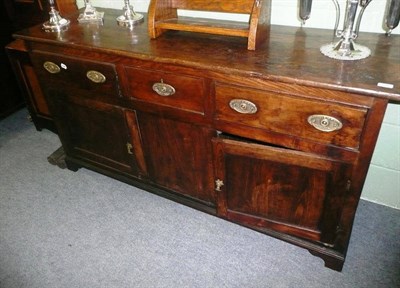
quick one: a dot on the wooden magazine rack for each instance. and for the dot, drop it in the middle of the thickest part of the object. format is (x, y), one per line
(163, 16)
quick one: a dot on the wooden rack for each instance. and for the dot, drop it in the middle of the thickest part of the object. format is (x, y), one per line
(163, 16)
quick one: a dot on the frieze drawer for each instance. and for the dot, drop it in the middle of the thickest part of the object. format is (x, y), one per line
(76, 73)
(323, 122)
(182, 92)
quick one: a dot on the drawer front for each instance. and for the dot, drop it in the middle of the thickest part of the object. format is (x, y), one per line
(166, 89)
(315, 120)
(75, 73)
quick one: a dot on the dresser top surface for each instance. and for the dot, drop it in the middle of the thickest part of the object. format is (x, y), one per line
(290, 54)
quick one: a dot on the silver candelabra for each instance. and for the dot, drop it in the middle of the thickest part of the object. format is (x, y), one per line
(346, 48)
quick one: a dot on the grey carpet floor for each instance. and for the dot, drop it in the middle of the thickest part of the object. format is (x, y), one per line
(64, 229)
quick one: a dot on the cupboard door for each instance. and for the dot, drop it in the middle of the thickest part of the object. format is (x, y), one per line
(178, 156)
(93, 131)
(291, 192)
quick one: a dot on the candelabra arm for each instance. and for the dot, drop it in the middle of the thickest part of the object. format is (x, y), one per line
(363, 4)
(337, 8)
(393, 16)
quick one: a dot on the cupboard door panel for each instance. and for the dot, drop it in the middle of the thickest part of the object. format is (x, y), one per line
(93, 131)
(279, 189)
(178, 156)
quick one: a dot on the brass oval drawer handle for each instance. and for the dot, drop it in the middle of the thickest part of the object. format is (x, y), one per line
(95, 76)
(325, 123)
(51, 67)
(243, 106)
(163, 89)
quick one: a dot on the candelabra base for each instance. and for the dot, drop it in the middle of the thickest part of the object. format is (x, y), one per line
(130, 21)
(56, 23)
(345, 50)
(51, 26)
(91, 17)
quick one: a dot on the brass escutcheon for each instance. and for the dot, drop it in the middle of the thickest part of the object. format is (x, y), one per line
(129, 148)
(51, 67)
(325, 123)
(218, 184)
(95, 76)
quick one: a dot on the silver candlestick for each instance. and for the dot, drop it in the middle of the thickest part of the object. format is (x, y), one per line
(90, 14)
(56, 23)
(130, 17)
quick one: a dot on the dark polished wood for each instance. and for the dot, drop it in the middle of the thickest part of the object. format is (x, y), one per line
(179, 156)
(160, 114)
(288, 191)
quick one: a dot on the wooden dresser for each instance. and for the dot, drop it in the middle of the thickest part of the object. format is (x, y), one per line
(278, 139)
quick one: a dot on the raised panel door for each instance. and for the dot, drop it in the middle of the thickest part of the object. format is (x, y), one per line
(287, 191)
(93, 132)
(178, 156)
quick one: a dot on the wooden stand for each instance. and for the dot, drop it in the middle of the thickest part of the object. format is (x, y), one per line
(163, 16)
